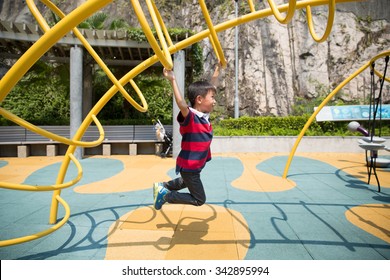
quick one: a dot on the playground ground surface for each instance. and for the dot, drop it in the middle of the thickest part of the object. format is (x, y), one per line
(325, 210)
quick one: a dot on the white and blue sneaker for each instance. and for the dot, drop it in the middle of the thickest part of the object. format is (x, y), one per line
(155, 189)
(159, 192)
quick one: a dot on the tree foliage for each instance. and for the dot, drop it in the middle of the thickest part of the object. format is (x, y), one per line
(42, 95)
(154, 88)
(96, 21)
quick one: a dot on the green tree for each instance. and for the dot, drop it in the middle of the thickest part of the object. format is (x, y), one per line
(42, 95)
(118, 110)
(96, 21)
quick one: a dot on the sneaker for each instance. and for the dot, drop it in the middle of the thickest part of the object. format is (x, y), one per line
(159, 200)
(155, 189)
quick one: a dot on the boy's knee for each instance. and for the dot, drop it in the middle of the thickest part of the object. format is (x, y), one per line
(200, 202)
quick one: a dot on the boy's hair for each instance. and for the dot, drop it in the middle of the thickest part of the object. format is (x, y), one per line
(199, 88)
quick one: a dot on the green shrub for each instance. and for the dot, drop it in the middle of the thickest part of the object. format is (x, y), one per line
(288, 126)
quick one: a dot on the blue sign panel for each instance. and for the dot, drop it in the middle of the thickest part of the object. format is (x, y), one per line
(352, 112)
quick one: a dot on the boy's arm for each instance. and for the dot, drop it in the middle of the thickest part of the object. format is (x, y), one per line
(214, 79)
(181, 103)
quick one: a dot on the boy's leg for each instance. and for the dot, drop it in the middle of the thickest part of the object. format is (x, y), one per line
(161, 189)
(175, 184)
(192, 181)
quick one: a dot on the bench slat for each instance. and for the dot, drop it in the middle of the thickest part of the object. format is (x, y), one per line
(122, 133)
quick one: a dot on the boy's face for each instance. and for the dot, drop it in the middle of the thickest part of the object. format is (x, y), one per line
(206, 104)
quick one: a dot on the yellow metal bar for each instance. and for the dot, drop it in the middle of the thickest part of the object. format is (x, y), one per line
(53, 136)
(95, 110)
(164, 56)
(159, 25)
(47, 40)
(323, 103)
(162, 24)
(245, 19)
(37, 15)
(329, 25)
(214, 47)
(14, 241)
(52, 35)
(290, 11)
(251, 6)
(380, 75)
(93, 53)
(215, 42)
(179, 46)
(86, 123)
(152, 11)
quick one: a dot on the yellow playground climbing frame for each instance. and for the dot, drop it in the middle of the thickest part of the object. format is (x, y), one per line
(163, 49)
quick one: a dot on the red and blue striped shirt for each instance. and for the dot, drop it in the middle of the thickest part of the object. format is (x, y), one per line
(197, 133)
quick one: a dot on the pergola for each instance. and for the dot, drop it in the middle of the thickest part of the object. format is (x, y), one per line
(113, 46)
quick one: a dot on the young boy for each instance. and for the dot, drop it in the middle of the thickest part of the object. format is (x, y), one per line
(197, 133)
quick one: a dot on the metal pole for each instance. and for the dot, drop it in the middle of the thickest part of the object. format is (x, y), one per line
(179, 70)
(236, 100)
(76, 93)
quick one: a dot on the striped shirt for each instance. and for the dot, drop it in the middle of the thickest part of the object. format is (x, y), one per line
(197, 133)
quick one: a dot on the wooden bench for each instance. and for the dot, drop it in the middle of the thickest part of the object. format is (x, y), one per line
(123, 139)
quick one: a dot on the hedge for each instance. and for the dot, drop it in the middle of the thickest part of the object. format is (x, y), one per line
(288, 126)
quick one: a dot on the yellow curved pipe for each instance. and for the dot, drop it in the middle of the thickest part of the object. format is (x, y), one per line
(236, 22)
(162, 24)
(53, 136)
(38, 16)
(47, 40)
(380, 75)
(251, 6)
(164, 56)
(214, 48)
(89, 7)
(290, 12)
(27, 238)
(157, 21)
(68, 22)
(323, 103)
(152, 60)
(87, 121)
(213, 34)
(329, 25)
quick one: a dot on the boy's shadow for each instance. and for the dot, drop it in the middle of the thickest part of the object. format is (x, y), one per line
(186, 233)
(192, 233)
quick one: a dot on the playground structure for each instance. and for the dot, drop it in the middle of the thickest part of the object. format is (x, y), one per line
(163, 49)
